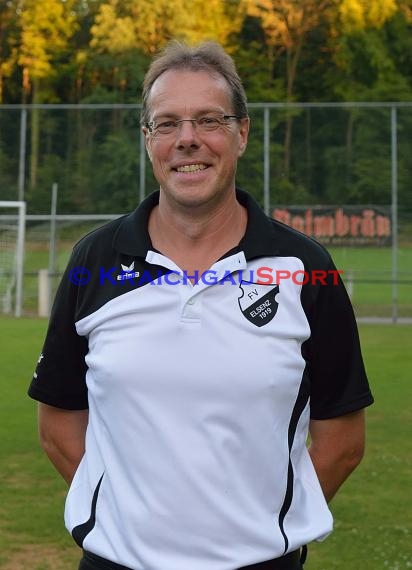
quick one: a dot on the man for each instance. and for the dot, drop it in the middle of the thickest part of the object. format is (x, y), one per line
(178, 386)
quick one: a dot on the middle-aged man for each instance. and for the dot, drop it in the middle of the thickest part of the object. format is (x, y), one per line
(194, 344)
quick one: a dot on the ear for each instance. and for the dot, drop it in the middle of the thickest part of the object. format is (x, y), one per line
(147, 141)
(243, 135)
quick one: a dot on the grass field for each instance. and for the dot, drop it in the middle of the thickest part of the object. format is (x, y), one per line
(370, 272)
(373, 515)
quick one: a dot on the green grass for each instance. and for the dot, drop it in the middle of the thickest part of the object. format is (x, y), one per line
(373, 516)
(31, 493)
(369, 270)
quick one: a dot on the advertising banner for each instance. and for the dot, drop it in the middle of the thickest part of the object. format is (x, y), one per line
(340, 225)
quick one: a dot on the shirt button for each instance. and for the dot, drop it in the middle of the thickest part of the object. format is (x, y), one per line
(191, 302)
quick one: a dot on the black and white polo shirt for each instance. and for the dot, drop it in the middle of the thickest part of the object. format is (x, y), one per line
(200, 395)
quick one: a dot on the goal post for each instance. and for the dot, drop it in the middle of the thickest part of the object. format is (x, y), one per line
(12, 230)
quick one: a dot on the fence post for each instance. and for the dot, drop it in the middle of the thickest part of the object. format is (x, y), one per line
(44, 291)
(22, 154)
(142, 168)
(266, 160)
(394, 151)
(349, 284)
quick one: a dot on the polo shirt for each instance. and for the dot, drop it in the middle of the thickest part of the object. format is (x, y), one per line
(199, 395)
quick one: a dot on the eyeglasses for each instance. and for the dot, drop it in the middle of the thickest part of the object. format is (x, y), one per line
(206, 124)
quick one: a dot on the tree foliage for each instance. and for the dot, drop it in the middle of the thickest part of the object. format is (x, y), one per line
(77, 47)
(97, 51)
(286, 24)
(357, 15)
(45, 30)
(123, 25)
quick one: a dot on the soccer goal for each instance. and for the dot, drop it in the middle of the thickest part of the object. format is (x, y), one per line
(12, 227)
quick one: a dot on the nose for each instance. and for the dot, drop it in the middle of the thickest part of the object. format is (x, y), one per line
(187, 135)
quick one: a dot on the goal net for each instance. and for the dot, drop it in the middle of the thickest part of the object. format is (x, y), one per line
(12, 226)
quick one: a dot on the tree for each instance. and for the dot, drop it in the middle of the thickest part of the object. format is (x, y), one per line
(45, 27)
(357, 15)
(373, 63)
(286, 24)
(8, 32)
(121, 25)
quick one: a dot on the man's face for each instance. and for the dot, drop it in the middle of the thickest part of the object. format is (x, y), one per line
(194, 167)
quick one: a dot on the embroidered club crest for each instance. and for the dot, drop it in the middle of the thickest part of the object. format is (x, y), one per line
(258, 302)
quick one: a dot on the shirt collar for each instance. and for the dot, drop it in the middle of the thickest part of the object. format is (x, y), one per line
(132, 236)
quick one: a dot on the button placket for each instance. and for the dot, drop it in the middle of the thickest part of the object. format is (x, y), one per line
(191, 306)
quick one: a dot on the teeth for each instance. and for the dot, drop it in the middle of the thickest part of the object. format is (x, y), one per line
(191, 168)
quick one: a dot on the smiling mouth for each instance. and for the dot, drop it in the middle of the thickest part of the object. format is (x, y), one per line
(191, 168)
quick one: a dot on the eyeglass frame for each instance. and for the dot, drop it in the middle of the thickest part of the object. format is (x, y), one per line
(222, 119)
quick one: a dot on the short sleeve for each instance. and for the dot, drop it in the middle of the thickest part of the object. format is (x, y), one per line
(60, 376)
(338, 381)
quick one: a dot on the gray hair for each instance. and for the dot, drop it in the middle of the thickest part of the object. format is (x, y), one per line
(208, 56)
